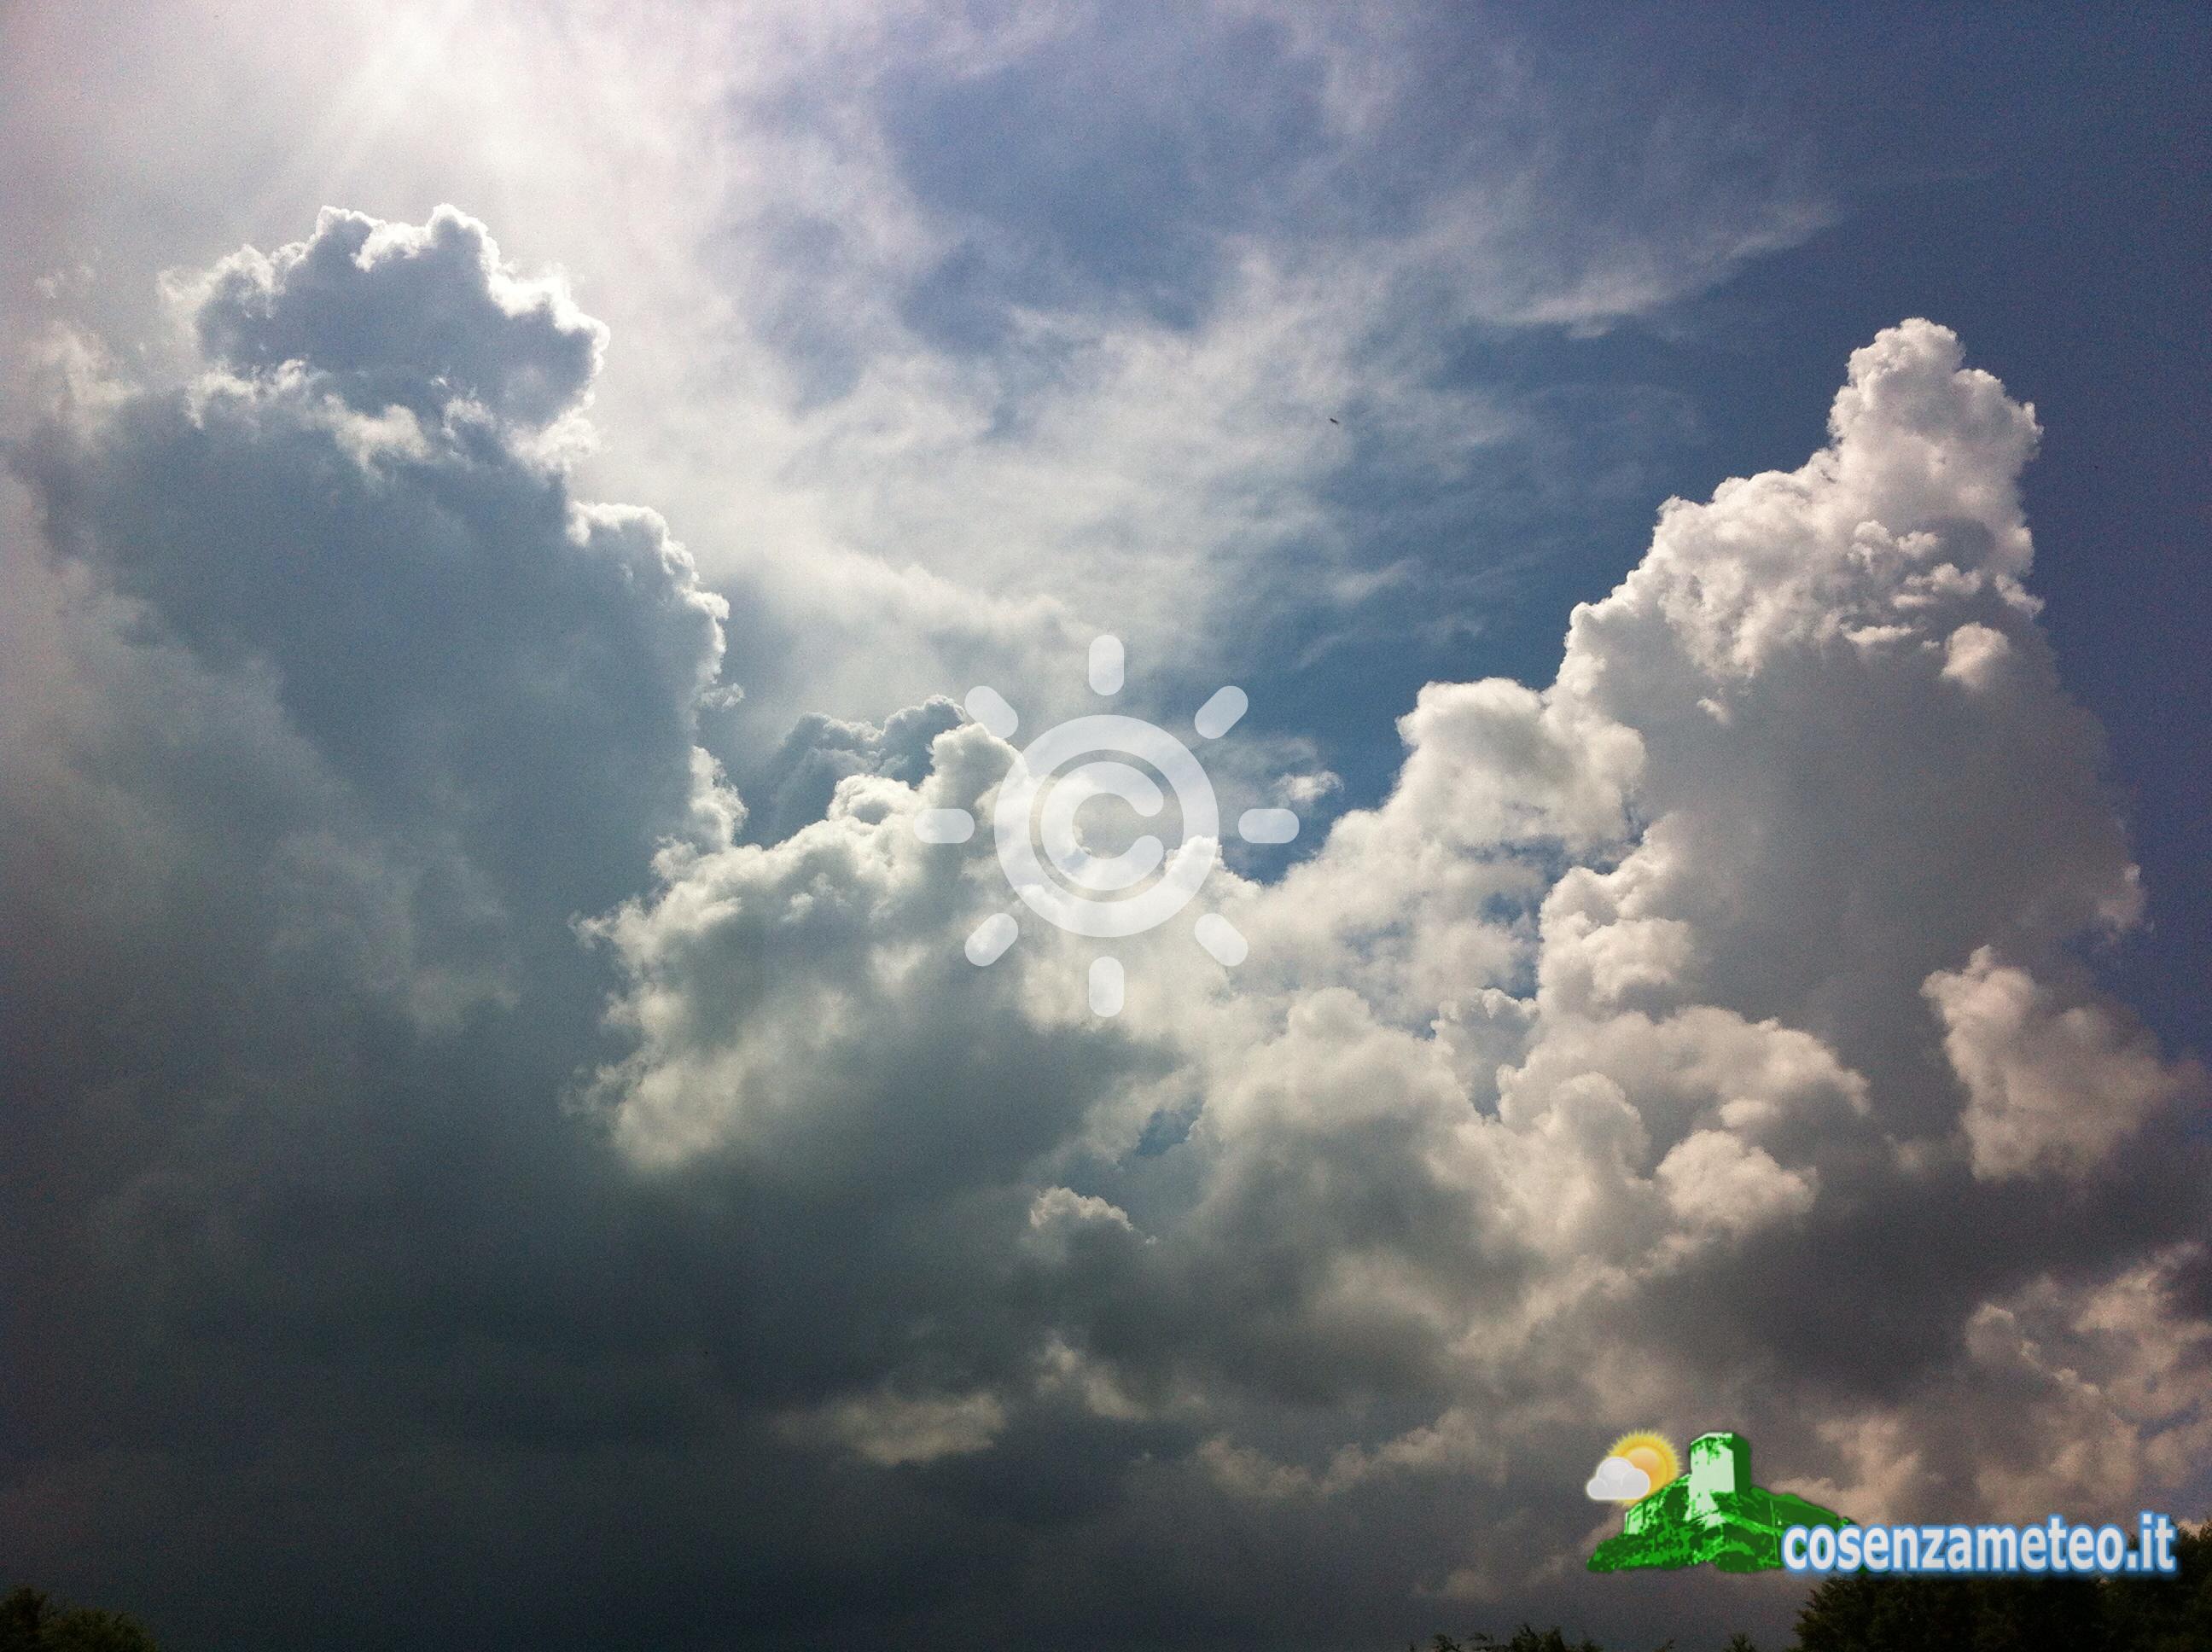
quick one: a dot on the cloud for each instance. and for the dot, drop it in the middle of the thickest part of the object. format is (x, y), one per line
(889, 1429)
(1616, 1480)
(1469, 1108)
(1304, 791)
(1714, 1177)
(2048, 1089)
(1700, 1031)
(799, 782)
(401, 314)
(368, 547)
(947, 340)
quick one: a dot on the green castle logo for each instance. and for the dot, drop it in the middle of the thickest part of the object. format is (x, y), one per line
(1711, 1515)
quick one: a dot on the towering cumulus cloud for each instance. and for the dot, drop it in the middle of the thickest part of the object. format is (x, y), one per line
(473, 694)
(412, 1049)
(1701, 1031)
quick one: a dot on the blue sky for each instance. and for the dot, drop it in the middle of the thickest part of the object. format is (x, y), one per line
(502, 504)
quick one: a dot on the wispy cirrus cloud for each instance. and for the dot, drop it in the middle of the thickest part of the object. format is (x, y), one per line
(946, 340)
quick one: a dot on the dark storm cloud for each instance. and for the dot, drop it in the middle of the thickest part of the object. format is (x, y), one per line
(316, 1254)
(361, 708)
(346, 527)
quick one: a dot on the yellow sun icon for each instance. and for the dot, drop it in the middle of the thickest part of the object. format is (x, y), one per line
(1651, 1454)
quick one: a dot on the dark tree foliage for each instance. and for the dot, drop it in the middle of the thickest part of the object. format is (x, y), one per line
(30, 1622)
(2165, 1615)
(1864, 1612)
(1867, 1614)
(1526, 1638)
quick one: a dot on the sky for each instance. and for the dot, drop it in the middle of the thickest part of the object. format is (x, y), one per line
(502, 507)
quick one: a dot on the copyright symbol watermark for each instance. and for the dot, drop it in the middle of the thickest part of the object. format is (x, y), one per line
(1040, 848)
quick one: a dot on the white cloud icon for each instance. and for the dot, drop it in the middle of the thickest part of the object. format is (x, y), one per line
(1618, 1480)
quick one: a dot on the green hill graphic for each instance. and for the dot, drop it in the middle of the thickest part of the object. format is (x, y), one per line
(1711, 1515)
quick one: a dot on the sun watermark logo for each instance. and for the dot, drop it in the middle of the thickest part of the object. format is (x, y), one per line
(1105, 896)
